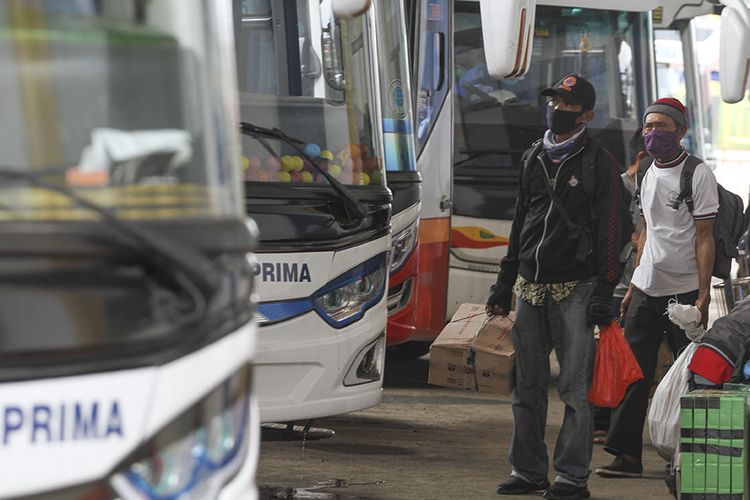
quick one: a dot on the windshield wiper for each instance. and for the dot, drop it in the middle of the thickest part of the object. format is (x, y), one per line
(353, 207)
(188, 269)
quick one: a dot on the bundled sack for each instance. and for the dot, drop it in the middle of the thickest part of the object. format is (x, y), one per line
(664, 413)
(474, 351)
(615, 368)
(687, 317)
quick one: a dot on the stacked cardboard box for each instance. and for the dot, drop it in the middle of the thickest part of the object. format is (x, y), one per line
(713, 436)
(474, 351)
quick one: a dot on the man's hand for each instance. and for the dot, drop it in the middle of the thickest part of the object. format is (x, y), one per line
(496, 310)
(634, 238)
(625, 304)
(702, 305)
(499, 302)
(599, 311)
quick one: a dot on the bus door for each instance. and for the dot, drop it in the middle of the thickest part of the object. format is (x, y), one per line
(431, 39)
(496, 120)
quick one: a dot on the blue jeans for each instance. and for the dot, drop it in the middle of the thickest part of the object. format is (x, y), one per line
(537, 330)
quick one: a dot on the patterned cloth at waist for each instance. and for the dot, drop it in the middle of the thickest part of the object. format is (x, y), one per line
(535, 293)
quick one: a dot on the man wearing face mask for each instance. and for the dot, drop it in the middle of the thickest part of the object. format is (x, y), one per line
(675, 260)
(563, 265)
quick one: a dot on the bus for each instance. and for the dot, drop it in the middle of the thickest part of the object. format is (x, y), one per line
(396, 116)
(473, 128)
(496, 120)
(315, 185)
(429, 24)
(125, 289)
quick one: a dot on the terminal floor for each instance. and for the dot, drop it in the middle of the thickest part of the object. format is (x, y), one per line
(423, 442)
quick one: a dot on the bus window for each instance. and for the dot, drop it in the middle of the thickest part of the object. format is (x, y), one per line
(298, 46)
(394, 87)
(287, 82)
(706, 41)
(432, 66)
(671, 78)
(495, 121)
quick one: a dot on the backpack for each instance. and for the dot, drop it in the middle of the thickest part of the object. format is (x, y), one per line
(625, 226)
(729, 224)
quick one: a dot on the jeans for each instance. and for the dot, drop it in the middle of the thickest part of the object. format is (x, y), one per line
(537, 330)
(645, 325)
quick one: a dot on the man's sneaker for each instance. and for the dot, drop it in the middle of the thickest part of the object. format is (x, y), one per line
(514, 485)
(565, 491)
(622, 466)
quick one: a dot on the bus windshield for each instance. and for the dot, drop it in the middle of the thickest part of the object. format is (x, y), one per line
(497, 120)
(310, 76)
(124, 102)
(393, 62)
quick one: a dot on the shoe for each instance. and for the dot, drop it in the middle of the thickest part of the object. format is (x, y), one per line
(514, 485)
(565, 491)
(622, 466)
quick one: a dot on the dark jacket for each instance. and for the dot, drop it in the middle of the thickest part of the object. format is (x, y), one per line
(542, 247)
(729, 335)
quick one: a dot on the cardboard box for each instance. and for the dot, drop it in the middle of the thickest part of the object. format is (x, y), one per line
(686, 445)
(714, 430)
(474, 352)
(713, 450)
(699, 443)
(739, 422)
(726, 434)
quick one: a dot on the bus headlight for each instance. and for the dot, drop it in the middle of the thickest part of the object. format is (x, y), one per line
(197, 454)
(402, 245)
(345, 299)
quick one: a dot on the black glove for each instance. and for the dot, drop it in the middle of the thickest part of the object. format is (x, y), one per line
(599, 311)
(500, 295)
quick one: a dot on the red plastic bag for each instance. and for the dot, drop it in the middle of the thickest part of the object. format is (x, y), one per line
(615, 368)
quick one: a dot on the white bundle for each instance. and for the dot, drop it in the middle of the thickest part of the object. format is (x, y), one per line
(687, 317)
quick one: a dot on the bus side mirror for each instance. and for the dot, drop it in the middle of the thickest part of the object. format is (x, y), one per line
(734, 60)
(346, 9)
(508, 31)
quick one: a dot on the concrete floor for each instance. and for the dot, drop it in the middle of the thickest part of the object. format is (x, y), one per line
(422, 442)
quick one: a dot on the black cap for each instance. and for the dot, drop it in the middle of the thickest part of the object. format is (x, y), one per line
(573, 89)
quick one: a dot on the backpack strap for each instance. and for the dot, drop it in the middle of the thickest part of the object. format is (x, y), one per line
(588, 168)
(588, 172)
(526, 160)
(643, 167)
(686, 182)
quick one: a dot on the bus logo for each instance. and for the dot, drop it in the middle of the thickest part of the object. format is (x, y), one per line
(283, 272)
(49, 423)
(397, 99)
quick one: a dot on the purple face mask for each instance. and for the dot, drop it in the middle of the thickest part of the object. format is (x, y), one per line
(662, 144)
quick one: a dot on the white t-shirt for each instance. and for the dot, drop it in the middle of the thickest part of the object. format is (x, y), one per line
(669, 265)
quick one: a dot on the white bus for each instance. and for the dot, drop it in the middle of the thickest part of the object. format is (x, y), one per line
(396, 116)
(472, 128)
(315, 184)
(125, 289)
